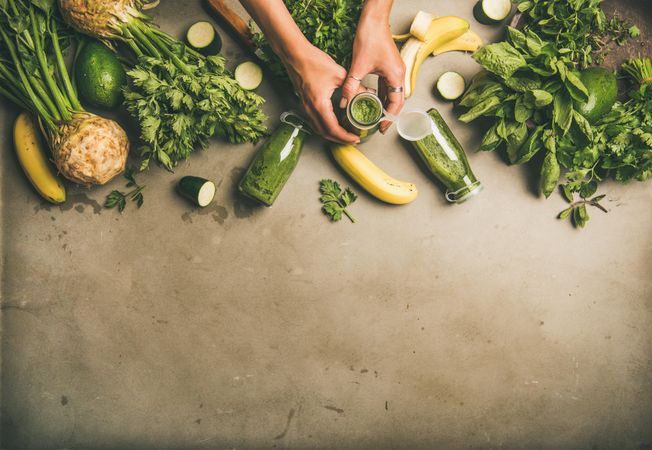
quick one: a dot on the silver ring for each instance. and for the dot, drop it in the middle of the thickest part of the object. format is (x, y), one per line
(395, 89)
(356, 78)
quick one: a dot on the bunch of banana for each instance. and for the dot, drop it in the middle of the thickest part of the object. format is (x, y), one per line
(432, 35)
(372, 178)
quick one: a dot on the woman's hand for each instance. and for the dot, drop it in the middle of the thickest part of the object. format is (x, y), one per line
(315, 76)
(374, 51)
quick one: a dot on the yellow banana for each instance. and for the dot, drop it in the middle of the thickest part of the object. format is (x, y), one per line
(33, 159)
(468, 42)
(373, 179)
(442, 30)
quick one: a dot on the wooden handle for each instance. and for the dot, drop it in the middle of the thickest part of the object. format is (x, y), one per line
(234, 23)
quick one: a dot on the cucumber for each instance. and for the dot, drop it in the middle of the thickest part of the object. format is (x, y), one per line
(451, 86)
(602, 86)
(491, 12)
(249, 75)
(203, 37)
(198, 190)
(99, 76)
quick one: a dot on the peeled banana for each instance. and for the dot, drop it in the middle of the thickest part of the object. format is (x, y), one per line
(468, 42)
(432, 35)
(445, 30)
(33, 159)
(421, 27)
(373, 179)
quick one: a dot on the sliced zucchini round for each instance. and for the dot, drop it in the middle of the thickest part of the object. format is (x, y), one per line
(249, 75)
(203, 37)
(451, 86)
(491, 12)
(198, 190)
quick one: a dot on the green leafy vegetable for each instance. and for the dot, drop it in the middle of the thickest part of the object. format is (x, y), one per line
(180, 110)
(531, 91)
(330, 25)
(119, 199)
(579, 28)
(501, 59)
(335, 200)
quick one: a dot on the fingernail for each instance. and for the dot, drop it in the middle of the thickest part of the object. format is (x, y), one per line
(343, 103)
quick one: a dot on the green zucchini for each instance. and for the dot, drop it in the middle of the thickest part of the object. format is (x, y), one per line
(275, 161)
(203, 37)
(451, 86)
(249, 75)
(198, 190)
(492, 12)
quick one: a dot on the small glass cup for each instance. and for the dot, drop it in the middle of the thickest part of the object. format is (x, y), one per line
(363, 115)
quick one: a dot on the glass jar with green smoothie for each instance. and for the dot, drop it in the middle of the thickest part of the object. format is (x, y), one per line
(363, 115)
(441, 152)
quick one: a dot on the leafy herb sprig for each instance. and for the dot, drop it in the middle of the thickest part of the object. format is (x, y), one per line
(119, 199)
(577, 211)
(335, 200)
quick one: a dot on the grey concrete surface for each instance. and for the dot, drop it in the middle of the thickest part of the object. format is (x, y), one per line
(488, 325)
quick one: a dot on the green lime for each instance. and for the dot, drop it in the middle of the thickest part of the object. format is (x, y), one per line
(602, 86)
(99, 76)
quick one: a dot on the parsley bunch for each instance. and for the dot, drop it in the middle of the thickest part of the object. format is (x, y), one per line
(180, 109)
(329, 25)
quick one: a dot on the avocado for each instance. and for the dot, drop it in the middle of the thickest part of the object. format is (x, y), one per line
(99, 76)
(602, 86)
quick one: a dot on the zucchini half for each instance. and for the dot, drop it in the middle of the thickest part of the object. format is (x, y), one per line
(198, 190)
(451, 86)
(492, 12)
(249, 75)
(203, 37)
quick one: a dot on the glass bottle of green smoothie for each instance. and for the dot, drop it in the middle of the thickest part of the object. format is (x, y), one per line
(275, 161)
(445, 158)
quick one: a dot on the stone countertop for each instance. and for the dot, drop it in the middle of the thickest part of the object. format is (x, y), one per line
(484, 325)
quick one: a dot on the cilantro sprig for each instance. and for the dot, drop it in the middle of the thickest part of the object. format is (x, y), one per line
(335, 200)
(119, 199)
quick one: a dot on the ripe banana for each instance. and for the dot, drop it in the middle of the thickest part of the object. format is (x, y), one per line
(33, 159)
(429, 33)
(444, 29)
(468, 42)
(373, 179)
